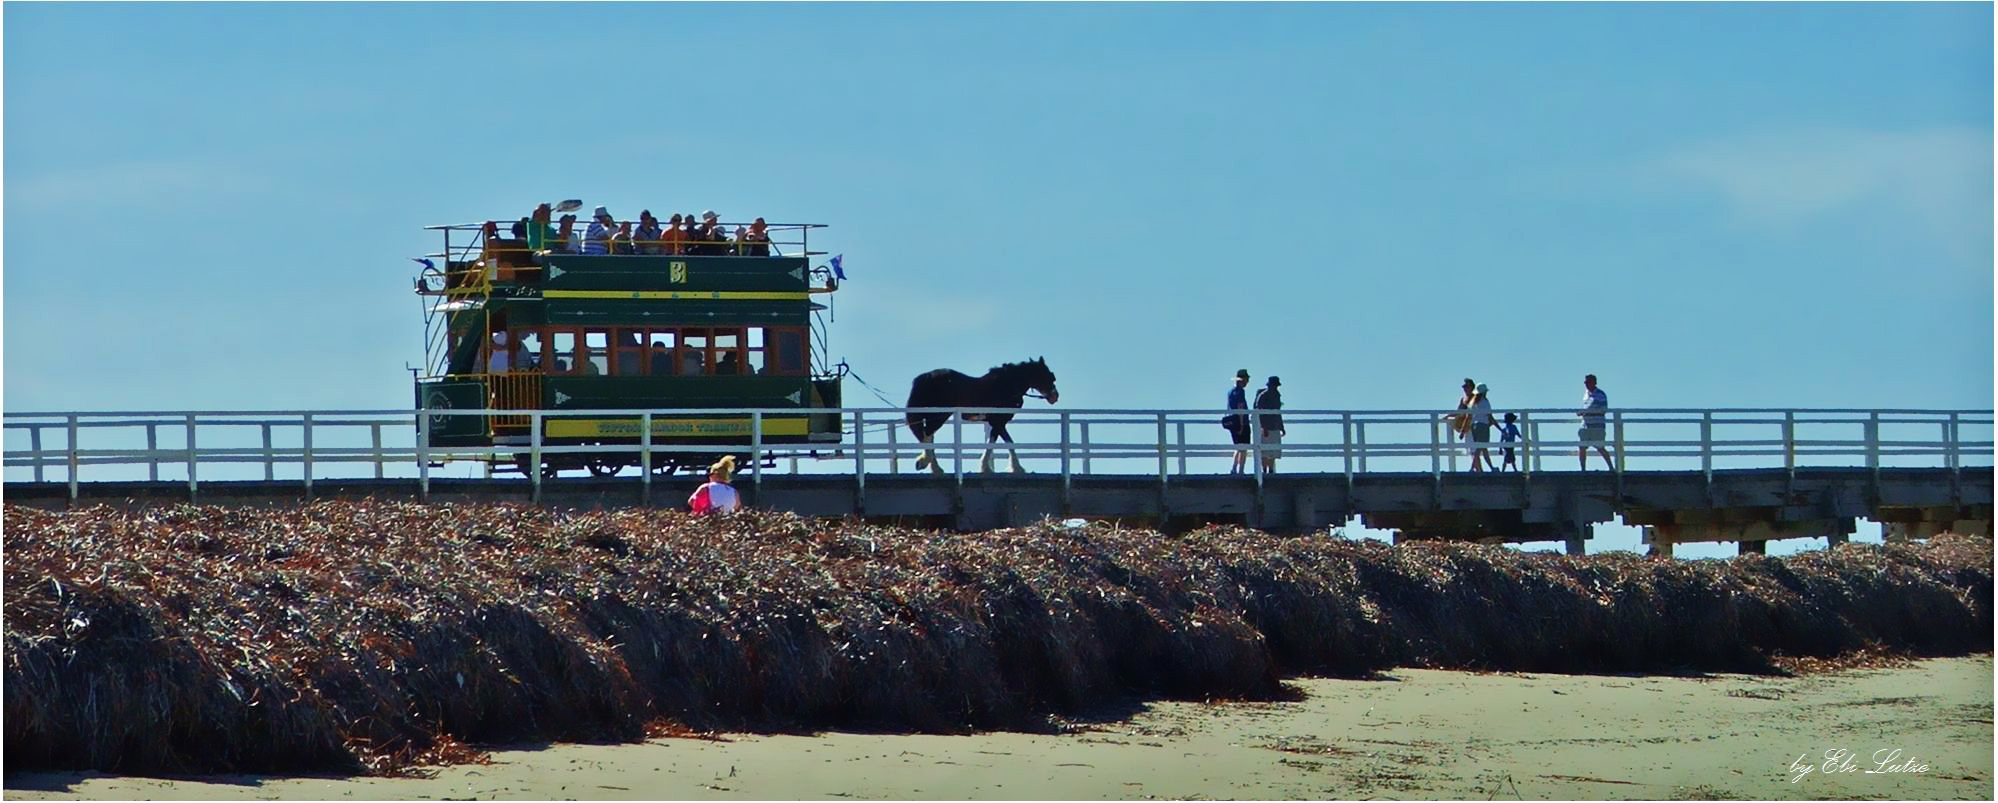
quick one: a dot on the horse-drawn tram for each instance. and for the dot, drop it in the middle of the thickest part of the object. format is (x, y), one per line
(526, 323)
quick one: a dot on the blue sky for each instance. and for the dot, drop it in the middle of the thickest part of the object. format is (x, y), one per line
(212, 206)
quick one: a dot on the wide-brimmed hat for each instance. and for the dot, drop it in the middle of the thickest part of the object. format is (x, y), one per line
(1241, 373)
(601, 212)
(1275, 381)
(709, 215)
(1480, 390)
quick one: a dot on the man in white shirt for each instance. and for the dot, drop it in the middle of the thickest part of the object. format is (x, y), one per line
(1594, 402)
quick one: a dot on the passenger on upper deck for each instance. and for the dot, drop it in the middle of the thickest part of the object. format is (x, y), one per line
(710, 235)
(565, 236)
(757, 242)
(674, 237)
(597, 242)
(646, 237)
(539, 230)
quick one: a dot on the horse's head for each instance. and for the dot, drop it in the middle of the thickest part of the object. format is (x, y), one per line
(1040, 379)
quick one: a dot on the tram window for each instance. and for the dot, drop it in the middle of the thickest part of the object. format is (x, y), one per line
(755, 354)
(790, 359)
(630, 352)
(564, 352)
(728, 351)
(661, 343)
(530, 349)
(693, 352)
(596, 342)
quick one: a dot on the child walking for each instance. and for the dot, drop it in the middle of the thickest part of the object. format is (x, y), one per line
(1509, 433)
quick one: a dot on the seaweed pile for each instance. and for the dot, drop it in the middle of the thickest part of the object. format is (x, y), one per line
(364, 636)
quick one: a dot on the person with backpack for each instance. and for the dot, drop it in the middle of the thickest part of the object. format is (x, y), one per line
(716, 495)
(1269, 398)
(1237, 424)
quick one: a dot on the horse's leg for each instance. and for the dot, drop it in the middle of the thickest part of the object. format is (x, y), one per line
(921, 426)
(930, 455)
(991, 434)
(1012, 453)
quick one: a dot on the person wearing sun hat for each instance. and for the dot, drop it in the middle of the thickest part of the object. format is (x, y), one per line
(716, 495)
(597, 239)
(1237, 424)
(1269, 398)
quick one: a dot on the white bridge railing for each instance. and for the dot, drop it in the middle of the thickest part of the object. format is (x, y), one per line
(308, 445)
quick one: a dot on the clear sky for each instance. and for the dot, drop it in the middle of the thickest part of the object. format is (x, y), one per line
(212, 206)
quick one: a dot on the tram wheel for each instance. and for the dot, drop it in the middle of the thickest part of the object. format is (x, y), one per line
(604, 468)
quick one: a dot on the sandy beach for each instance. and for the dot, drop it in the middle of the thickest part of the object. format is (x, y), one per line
(1408, 734)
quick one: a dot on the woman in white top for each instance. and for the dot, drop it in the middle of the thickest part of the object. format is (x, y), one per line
(1481, 430)
(716, 495)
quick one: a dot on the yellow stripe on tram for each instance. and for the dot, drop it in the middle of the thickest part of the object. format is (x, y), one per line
(714, 295)
(672, 427)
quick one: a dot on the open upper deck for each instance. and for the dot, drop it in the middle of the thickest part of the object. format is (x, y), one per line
(633, 265)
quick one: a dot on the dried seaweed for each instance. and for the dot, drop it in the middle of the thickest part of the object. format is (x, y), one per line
(370, 636)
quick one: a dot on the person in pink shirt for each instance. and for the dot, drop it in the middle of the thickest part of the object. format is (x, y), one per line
(716, 495)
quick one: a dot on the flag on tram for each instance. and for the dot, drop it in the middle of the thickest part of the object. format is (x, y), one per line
(838, 272)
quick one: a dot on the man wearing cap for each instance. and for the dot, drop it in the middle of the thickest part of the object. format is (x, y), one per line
(1238, 423)
(1269, 398)
(597, 240)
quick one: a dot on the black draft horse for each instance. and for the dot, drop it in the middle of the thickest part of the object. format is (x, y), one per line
(1004, 386)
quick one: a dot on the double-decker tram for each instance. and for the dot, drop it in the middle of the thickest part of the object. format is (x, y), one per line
(657, 326)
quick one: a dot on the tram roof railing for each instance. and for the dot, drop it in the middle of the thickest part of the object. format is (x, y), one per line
(798, 247)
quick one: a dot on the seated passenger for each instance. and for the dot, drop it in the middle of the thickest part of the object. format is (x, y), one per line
(565, 237)
(621, 241)
(728, 366)
(662, 361)
(646, 237)
(692, 363)
(757, 242)
(674, 238)
(597, 242)
(520, 228)
(710, 234)
(540, 232)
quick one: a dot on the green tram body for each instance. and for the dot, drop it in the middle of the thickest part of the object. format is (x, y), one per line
(577, 316)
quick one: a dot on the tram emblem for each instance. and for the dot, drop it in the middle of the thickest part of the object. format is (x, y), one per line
(438, 401)
(677, 273)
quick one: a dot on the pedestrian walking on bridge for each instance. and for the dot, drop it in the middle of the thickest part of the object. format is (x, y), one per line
(1271, 424)
(1237, 424)
(1594, 403)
